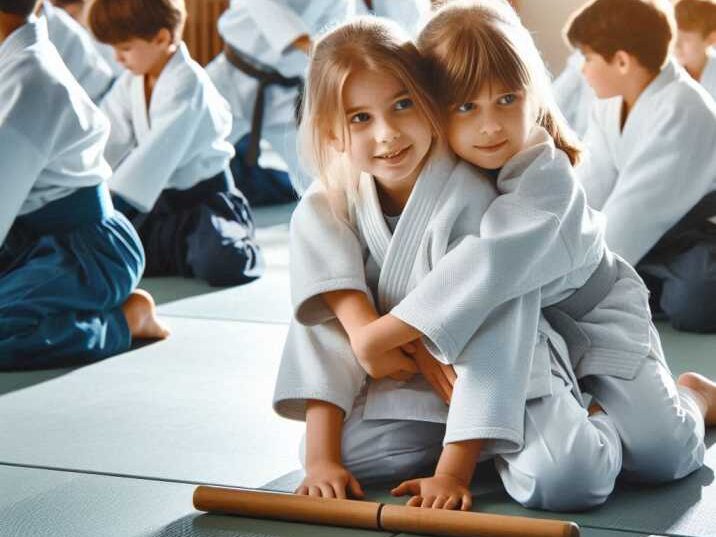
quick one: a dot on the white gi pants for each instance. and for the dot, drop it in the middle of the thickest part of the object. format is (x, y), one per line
(569, 462)
(659, 423)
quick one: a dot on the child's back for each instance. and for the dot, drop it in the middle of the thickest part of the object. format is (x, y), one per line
(62, 146)
(68, 261)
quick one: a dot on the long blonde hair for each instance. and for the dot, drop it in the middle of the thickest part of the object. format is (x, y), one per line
(469, 43)
(366, 43)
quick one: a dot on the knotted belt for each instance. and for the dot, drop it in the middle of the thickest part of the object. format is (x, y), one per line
(566, 315)
(266, 76)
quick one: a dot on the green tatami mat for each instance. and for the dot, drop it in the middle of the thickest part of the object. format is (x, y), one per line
(689, 352)
(196, 407)
(683, 508)
(41, 503)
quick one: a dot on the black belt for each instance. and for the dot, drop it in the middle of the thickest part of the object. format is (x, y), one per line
(266, 76)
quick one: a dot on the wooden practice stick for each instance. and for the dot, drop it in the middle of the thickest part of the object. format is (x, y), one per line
(376, 516)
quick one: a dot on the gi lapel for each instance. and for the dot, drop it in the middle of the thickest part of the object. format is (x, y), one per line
(395, 253)
(140, 110)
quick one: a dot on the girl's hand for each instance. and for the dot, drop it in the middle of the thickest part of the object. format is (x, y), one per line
(393, 363)
(329, 480)
(440, 491)
(440, 376)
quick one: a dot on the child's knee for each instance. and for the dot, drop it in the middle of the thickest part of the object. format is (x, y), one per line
(573, 474)
(663, 459)
(567, 486)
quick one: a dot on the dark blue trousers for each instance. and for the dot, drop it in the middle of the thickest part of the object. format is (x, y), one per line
(206, 232)
(680, 271)
(261, 186)
(65, 271)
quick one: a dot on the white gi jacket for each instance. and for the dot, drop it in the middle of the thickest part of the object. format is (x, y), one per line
(78, 50)
(708, 77)
(175, 141)
(539, 233)
(573, 94)
(51, 135)
(410, 14)
(503, 364)
(265, 30)
(648, 175)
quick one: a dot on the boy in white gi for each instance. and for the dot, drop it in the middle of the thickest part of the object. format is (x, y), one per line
(169, 150)
(69, 263)
(695, 39)
(538, 234)
(652, 166)
(367, 110)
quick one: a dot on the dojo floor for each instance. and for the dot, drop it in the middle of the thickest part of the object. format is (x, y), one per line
(116, 448)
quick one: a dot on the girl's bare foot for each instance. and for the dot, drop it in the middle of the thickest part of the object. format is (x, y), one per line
(141, 315)
(705, 389)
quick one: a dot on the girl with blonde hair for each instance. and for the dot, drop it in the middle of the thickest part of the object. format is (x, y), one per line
(391, 203)
(539, 236)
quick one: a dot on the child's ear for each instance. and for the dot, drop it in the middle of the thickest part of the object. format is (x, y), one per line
(623, 61)
(163, 37)
(711, 39)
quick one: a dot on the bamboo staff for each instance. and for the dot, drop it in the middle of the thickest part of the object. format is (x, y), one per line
(375, 516)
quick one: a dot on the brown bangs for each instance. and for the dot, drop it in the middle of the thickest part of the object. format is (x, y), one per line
(465, 53)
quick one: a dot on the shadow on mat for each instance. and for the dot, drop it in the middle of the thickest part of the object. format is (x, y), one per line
(11, 381)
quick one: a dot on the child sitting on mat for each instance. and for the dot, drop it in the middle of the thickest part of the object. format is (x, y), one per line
(69, 263)
(169, 151)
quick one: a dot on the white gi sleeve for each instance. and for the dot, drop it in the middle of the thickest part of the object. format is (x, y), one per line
(116, 105)
(22, 163)
(146, 171)
(325, 255)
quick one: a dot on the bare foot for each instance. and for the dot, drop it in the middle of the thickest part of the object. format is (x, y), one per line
(141, 315)
(705, 389)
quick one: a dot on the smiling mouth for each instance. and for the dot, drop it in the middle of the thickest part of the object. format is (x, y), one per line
(393, 155)
(494, 147)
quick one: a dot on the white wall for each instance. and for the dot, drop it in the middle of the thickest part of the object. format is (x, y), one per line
(546, 19)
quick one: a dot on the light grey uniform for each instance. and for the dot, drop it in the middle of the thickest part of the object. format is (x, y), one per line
(512, 380)
(533, 237)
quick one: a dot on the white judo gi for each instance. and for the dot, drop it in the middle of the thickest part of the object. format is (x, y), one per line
(79, 51)
(708, 77)
(175, 141)
(573, 94)
(540, 234)
(410, 14)
(647, 175)
(506, 390)
(68, 261)
(48, 170)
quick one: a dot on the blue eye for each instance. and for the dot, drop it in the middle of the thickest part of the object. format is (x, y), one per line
(403, 104)
(466, 107)
(507, 99)
(360, 117)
